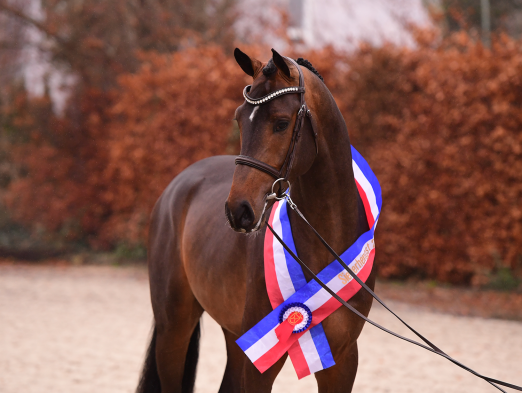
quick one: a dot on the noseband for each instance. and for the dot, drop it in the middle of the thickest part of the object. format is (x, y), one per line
(284, 171)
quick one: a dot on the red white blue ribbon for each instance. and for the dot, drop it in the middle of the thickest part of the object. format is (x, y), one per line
(294, 326)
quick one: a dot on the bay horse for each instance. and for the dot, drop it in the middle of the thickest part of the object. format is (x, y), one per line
(196, 263)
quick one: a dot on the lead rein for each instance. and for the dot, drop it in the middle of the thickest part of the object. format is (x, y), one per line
(431, 347)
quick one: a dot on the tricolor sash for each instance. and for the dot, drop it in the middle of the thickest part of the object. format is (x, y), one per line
(294, 326)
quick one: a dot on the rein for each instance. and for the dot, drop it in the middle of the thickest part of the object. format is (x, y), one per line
(429, 347)
(282, 175)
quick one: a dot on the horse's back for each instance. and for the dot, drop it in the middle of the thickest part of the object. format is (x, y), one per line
(212, 172)
(192, 250)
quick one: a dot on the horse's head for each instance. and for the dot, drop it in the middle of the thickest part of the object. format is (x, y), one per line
(277, 140)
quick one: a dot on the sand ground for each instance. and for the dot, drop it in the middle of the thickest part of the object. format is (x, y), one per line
(85, 329)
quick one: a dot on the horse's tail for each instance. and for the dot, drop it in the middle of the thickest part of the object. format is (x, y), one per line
(191, 361)
(149, 380)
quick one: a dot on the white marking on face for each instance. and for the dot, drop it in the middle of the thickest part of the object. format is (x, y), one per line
(253, 113)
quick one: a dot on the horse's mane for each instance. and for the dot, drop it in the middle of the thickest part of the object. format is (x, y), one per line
(270, 68)
(307, 64)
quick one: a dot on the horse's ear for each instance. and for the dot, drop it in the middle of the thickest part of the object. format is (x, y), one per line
(250, 66)
(280, 63)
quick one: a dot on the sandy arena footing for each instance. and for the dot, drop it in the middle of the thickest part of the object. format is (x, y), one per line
(85, 329)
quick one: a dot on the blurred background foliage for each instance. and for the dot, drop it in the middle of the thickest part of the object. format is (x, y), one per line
(505, 15)
(155, 88)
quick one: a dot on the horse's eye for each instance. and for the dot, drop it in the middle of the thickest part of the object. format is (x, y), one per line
(281, 126)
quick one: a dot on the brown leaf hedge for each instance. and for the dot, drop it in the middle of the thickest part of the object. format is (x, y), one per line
(440, 125)
(100, 185)
(177, 110)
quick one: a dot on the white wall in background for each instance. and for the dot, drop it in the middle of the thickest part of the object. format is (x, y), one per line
(37, 69)
(314, 23)
(341, 23)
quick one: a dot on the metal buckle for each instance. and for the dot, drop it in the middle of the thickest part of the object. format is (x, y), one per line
(273, 195)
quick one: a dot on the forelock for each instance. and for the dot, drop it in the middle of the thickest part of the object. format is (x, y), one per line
(270, 68)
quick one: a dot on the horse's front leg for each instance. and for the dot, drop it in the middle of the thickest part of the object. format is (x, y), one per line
(255, 382)
(340, 378)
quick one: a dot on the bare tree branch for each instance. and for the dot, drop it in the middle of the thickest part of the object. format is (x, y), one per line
(8, 9)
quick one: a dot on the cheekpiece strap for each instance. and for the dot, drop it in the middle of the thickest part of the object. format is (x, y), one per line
(271, 96)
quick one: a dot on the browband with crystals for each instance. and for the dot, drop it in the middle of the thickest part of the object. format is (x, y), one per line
(271, 96)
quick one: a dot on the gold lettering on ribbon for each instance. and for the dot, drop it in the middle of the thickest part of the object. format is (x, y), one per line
(344, 277)
(358, 264)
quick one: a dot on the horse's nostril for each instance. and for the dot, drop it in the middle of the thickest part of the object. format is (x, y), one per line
(246, 215)
(240, 216)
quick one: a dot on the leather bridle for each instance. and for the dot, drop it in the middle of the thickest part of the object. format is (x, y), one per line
(304, 112)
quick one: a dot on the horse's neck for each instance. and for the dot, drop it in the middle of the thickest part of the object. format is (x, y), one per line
(327, 196)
